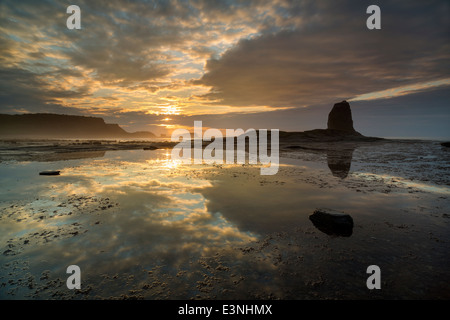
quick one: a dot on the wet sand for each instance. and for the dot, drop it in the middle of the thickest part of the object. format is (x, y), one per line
(143, 227)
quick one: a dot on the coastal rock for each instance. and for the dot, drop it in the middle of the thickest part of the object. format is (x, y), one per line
(445, 144)
(332, 222)
(49, 173)
(340, 117)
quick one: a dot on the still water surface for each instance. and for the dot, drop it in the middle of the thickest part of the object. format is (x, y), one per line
(140, 225)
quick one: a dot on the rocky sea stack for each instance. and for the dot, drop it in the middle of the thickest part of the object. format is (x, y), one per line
(340, 118)
(339, 128)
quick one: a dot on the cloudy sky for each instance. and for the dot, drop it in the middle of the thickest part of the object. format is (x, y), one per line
(275, 64)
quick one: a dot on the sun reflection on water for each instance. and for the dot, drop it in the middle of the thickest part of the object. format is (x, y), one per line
(146, 192)
(172, 227)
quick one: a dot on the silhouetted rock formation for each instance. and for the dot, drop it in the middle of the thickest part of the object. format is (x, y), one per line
(340, 117)
(340, 128)
(445, 144)
(47, 125)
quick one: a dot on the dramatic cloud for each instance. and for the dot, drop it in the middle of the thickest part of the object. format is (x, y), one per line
(24, 91)
(154, 65)
(335, 57)
(136, 50)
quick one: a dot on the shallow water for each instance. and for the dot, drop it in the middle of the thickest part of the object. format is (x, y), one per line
(140, 225)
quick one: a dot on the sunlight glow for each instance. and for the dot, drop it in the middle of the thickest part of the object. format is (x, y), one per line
(170, 110)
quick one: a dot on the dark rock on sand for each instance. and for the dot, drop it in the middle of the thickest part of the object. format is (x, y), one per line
(332, 222)
(445, 144)
(49, 173)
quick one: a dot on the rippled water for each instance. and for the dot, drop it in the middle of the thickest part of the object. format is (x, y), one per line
(140, 225)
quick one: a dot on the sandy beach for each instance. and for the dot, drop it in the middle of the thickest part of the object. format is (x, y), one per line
(142, 226)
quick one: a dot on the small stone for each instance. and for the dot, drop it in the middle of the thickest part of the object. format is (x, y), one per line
(332, 222)
(49, 173)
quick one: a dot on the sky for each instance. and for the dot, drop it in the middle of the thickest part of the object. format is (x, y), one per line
(266, 64)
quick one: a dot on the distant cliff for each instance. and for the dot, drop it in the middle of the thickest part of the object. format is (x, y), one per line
(58, 126)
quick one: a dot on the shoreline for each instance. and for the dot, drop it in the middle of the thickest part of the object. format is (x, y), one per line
(41, 149)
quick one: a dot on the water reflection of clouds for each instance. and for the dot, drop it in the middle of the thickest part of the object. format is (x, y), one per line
(171, 216)
(159, 215)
